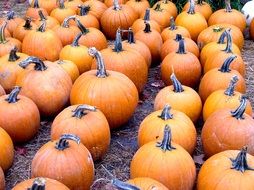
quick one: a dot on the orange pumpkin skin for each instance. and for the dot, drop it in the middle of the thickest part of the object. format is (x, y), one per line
(139, 6)
(47, 5)
(97, 8)
(23, 29)
(110, 3)
(2, 92)
(182, 128)
(106, 85)
(252, 29)
(7, 150)
(33, 11)
(2, 179)
(157, 160)
(58, 155)
(147, 183)
(49, 184)
(172, 45)
(168, 6)
(73, 4)
(51, 22)
(86, 122)
(58, 83)
(183, 99)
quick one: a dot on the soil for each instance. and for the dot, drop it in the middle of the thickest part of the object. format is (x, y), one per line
(124, 141)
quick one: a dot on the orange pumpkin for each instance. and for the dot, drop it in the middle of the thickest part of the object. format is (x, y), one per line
(86, 122)
(157, 160)
(73, 4)
(220, 99)
(97, 8)
(51, 22)
(2, 179)
(139, 6)
(110, 3)
(23, 29)
(168, 6)
(48, 5)
(252, 29)
(2, 92)
(33, 11)
(181, 98)
(120, 96)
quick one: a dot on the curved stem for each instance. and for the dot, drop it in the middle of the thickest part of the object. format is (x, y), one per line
(147, 15)
(36, 4)
(39, 65)
(192, 7)
(10, 15)
(165, 114)
(118, 42)
(181, 49)
(42, 16)
(63, 143)
(67, 20)
(2, 34)
(238, 113)
(172, 24)
(13, 55)
(81, 27)
(222, 37)
(116, 5)
(147, 27)
(79, 111)
(176, 84)
(165, 144)
(38, 184)
(13, 96)
(229, 46)
(225, 66)
(131, 39)
(178, 38)
(84, 10)
(123, 185)
(28, 25)
(42, 27)
(240, 162)
(61, 4)
(75, 42)
(230, 91)
(228, 6)
(101, 70)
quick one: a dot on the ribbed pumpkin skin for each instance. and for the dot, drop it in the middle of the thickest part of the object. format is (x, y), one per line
(48, 5)
(139, 6)
(73, 4)
(33, 13)
(89, 21)
(146, 183)
(168, 6)
(2, 179)
(5, 48)
(20, 32)
(167, 33)
(182, 129)
(12, 24)
(110, 3)
(252, 29)
(51, 184)
(139, 24)
(51, 22)
(7, 150)
(60, 14)
(97, 8)
(204, 8)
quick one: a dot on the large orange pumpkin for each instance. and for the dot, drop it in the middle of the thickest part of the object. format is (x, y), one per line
(120, 95)
(51, 22)
(23, 29)
(33, 11)
(139, 6)
(167, 5)
(97, 8)
(2, 179)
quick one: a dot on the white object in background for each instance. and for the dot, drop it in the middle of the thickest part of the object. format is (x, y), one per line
(248, 11)
(30, 1)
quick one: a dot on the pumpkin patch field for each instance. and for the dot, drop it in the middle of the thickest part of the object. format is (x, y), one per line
(126, 95)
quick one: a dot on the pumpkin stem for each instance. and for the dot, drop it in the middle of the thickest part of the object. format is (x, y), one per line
(39, 65)
(158, 7)
(165, 114)
(13, 96)
(147, 15)
(42, 27)
(36, 4)
(67, 20)
(84, 10)
(165, 144)
(13, 55)
(176, 84)
(123, 185)
(230, 91)
(147, 27)
(181, 49)
(200, 2)
(63, 143)
(222, 37)
(38, 184)
(192, 7)
(238, 113)
(228, 6)
(240, 162)
(165, 1)
(61, 4)
(172, 24)
(131, 39)
(42, 16)
(101, 70)
(116, 5)
(75, 42)
(79, 111)
(217, 29)
(28, 25)
(225, 66)
(10, 15)
(178, 38)
(81, 27)
(2, 35)
(118, 42)
(229, 47)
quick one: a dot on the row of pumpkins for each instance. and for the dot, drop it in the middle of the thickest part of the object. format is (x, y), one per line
(72, 62)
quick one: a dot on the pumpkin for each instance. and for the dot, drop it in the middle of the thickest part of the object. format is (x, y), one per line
(51, 22)
(97, 8)
(50, 85)
(49, 43)
(171, 31)
(7, 150)
(168, 6)
(33, 11)
(58, 155)
(182, 128)
(9, 69)
(47, 5)
(136, 45)
(158, 159)
(73, 4)
(184, 64)
(120, 96)
(193, 21)
(201, 7)
(117, 16)
(6, 44)
(229, 16)
(172, 45)
(141, 183)
(252, 29)
(26, 122)
(23, 29)
(70, 68)
(152, 39)
(61, 12)
(2, 179)
(231, 169)
(218, 78)
(2, 92)
(40, 183)
(110, 3)
(220, 99)
(139, 6)
(78, 54)
(66, 32)
(181, 98)
(86, 122)
(139, 24)
(131, 63)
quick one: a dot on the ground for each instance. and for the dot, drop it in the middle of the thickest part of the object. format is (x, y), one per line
(124, 141)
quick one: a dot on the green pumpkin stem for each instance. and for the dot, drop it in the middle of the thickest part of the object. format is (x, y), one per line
(229, 46)
(2, 34)
(84, 10)
(240, 162)
(27, 25)
(222, 37)
(13, 55)
(118, 47)
(217, 29)
(61, 4)
(101, 70)
(67, 20)
(39, 65)
(192, 7)
(13, 96)
(176, 84)
(158, 7)
(10, 15)
(42, 16)
(230, 91)
(63, 143)
(165, 114)
(79, 111)
(178, 38)
(36, 4)
(130, 39)
(172, 24)
(38, 184)
(147, 15)
(147, 27)
(228, 6)
(123, 185)
(165, 144)
(239, 112)
(181, 49)
(116, 5)
(75, 42)
(42, 27)
(225, 66)
(81, 27)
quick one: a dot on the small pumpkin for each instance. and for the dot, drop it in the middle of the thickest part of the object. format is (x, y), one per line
(73, 4)
(158, 159)
(88, 123)
(120, 95)
(23, 29)
(182, 128)
(218, 78)
(139, 6)
(181, 98)
(2, 179)
(168, 6)
(50, 85)
(48, 5)
(33, 11)
(252, 29)
(110, 3)
(51, 22)
(96, 8)
(220, 99)
(58, 155)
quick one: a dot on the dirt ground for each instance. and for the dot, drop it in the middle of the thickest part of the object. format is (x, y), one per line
(123, 141)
